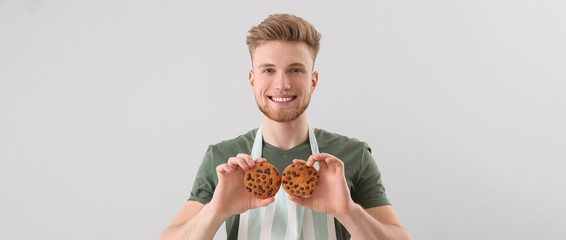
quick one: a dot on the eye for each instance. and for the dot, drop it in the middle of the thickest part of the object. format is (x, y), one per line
(296, 70)
(268, 70)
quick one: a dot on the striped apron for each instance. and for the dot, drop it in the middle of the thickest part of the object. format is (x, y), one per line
(283, 219)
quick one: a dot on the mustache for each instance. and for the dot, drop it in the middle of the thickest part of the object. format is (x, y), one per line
(282, 93)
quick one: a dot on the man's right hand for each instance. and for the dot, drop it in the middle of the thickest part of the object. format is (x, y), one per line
(230, 196)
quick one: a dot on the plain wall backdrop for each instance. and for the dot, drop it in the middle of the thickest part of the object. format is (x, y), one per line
(107, 108)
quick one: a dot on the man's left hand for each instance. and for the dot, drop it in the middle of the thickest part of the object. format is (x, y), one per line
(332, 195)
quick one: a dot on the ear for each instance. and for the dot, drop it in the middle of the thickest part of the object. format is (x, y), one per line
(314, 81)
(251, 78)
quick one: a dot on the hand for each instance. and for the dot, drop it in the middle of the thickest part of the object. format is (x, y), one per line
(230, 196)
(332, 195)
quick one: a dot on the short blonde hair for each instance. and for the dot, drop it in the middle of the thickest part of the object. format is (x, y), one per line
(284, 27)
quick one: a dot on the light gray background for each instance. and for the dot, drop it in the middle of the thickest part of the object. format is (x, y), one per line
(107, 108)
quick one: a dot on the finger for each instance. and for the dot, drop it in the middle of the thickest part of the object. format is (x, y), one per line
(332, 161)
(297, 161)
(317, 158)
(323, 156)
(237, 161)
(323, 159)
(264, 202)
(224, 168)
(310, 161)
(299, 201)
(249, 160)
(260, 160)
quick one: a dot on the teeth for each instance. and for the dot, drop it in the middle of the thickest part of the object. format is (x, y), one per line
(282, 99)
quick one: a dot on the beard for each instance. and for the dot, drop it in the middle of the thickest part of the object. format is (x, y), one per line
(284, 115)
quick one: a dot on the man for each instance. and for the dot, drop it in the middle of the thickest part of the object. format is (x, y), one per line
(349, 199)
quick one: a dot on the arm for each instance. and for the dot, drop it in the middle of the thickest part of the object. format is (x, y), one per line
(194, 221)
(333, 197)
(373, 223)
(198, 221)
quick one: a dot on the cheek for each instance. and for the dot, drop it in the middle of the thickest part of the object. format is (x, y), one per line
(260, 94)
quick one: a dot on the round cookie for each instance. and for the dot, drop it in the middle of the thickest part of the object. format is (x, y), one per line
(262, 181)
(300, 180)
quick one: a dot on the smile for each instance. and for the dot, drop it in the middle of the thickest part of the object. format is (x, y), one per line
(282, 99)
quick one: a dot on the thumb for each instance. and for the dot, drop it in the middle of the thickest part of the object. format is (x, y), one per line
(300, 201)
(263, 202)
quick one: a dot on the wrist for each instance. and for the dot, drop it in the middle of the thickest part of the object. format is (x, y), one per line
(217, 212)
(350, 214)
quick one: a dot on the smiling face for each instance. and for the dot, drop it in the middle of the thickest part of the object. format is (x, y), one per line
(282, 79)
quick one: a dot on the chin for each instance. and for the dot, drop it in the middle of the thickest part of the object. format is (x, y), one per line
(283, 117)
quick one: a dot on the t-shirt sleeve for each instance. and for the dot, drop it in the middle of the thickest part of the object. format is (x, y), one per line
(370, 191)
(206, 179)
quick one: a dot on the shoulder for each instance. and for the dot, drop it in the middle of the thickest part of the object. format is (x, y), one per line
(337, 142)
(231, 147)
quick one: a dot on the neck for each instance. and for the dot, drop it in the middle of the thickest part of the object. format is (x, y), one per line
(285, 135)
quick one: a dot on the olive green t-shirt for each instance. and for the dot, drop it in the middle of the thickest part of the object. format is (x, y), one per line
(362, 175)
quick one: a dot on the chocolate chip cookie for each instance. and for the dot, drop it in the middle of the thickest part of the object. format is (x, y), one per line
(263, 180)
(300, 180)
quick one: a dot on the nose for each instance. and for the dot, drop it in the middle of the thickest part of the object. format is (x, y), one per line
(282, 81)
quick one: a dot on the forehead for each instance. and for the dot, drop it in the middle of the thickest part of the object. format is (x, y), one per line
(282, 53)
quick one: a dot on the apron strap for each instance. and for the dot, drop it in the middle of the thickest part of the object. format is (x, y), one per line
(283, 219)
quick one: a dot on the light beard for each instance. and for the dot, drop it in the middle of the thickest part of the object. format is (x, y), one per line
(283, 115)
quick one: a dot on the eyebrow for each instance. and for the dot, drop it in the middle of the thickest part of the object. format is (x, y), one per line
(296, 64)
(266, 65)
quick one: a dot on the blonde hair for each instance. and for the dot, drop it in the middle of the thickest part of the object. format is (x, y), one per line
(284, 27)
